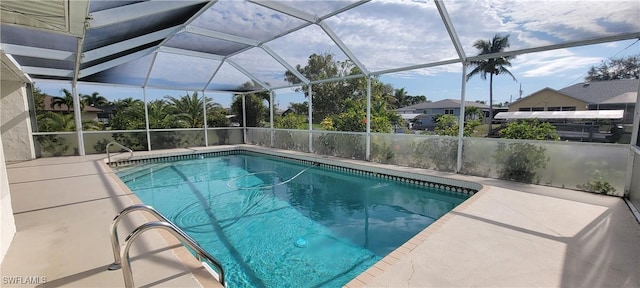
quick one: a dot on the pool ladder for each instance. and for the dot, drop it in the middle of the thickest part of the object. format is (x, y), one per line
(119, 145)
(164, 224)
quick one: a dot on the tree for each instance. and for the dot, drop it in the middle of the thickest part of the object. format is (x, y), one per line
(328, 98)
(92, 125)
(492, 66)
(56, 122)
(472, 113)
(401, 98)
(216, 115)
(300, 108)
(162, 115)
(520, 161)
(188, 109)
(122, 104)
(616, 68)
(447, 125)
(531, 130)
(255, 109)
(128, 115)
(355, 117)
(291, 121)
(95, 99)
(38, 99)
(66, 100)
(413, 100)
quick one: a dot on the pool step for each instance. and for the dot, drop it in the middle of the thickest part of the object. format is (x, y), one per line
(133, 172)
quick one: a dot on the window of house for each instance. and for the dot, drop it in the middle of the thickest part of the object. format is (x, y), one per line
(537, 109)
(554, 109)
(568, 108)
(448, 111)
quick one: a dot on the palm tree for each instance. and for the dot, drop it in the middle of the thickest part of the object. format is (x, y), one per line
(56, 122)
(491, 66)
(67, 100)
(402, 98)
(92, 125)
(162, 115)
(189, 108)
(95, 99)
(128, 114)
(472, 112)
(122, 104)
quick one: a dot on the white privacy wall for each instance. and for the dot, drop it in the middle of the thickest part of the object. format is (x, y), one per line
(6, 211)
(15, 124)
(634, 191)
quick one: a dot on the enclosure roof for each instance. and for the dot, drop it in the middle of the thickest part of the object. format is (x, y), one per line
(250, 45)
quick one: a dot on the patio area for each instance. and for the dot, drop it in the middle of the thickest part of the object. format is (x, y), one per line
(322, 81)
(508, 234)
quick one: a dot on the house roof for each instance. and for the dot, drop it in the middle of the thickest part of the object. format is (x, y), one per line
(63, 107)
(600, 91)
(589, 114)
(442, 104)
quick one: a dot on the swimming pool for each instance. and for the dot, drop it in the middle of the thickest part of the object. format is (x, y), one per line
(278, 223)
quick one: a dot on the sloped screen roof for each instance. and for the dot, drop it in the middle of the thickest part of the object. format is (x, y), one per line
(220, 45)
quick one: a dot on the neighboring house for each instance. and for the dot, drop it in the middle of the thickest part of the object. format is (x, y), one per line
(597, 95)
(283, 113)
(280, 112)
(105, 114)
(425, 112)
(88, 113)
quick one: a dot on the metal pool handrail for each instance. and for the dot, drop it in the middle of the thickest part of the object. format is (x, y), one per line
(121, 146)
(113, 228)
(165, 224)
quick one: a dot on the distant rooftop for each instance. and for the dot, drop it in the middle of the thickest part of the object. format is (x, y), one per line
(600, 91)
(443, 104)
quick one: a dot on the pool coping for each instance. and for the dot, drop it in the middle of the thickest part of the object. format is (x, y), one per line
(473, 189)
(508, 235)
(354, 166)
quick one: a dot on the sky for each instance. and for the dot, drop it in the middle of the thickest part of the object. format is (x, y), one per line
(385, 35)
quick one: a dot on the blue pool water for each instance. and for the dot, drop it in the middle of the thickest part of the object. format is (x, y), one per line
(274, 223)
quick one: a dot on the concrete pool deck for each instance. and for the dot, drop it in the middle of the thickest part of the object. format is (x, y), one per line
(509, 234)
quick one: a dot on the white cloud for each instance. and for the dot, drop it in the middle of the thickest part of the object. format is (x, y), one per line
(537, 23)
(386, 35)
(561, 62)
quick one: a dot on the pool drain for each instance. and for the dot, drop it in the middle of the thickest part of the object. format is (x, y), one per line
(301, 243)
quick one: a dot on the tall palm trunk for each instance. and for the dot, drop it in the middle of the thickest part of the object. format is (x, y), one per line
(490, 104)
